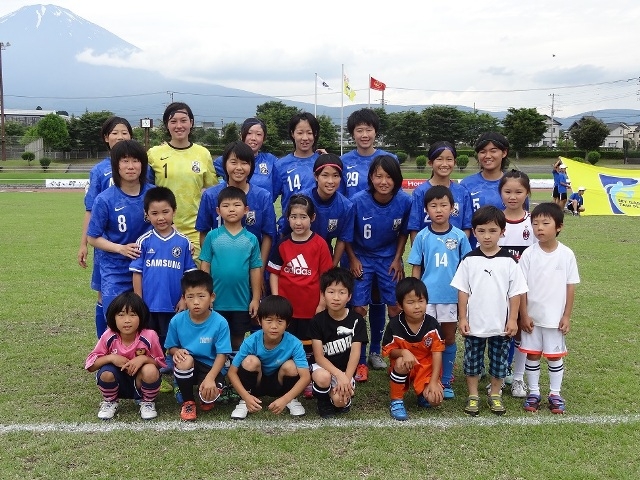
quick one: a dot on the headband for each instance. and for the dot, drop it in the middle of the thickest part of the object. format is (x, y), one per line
(438, 151)
(336, 166)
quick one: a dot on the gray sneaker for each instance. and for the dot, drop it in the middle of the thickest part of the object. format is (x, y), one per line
(376, 362)
(519, 389)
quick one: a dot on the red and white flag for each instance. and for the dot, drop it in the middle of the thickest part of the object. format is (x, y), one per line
(376, 85)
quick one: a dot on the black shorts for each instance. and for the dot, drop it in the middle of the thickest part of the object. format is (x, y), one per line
(563, 196)
(555, 192)
(239, 321)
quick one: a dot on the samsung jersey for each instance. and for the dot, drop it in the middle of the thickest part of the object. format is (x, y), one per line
(204, 341)
(355, 171)
(289, 348)
(378, 226)
(439, 254)
(145, 343)
(259, 220)
(162, 263)
(100, 178)
(262, 173)
(461, 211)
(518, 235)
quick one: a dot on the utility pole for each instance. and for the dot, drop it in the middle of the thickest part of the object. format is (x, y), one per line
(552, 113)
(3, 46)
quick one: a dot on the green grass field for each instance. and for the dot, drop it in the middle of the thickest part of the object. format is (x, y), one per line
(48, 403)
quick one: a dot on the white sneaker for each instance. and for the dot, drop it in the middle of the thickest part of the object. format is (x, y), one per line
(240, 412)
(519, 389)
(107, 410)
(376, 362)
(295, 408)
(148, 410)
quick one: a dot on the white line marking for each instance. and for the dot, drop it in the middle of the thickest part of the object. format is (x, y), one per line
(297, 425)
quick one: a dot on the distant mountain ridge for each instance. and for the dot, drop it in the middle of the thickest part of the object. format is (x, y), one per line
(41, 68)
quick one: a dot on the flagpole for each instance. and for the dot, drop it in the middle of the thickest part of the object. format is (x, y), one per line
(315, 103)
(342, 110)
(369, 90)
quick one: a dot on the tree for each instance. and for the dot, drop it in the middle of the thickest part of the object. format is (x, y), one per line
(474, 124)
(53, 130)
(277, 114)
(230, 133)
(384, 123)
(523, 126)
(589, 133)
(442, 123)
(328, 134)
(14, 129)
(84, 131)
(406, 131)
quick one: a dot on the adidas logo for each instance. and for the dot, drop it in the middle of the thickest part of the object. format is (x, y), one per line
(298, 266)
(151, 250)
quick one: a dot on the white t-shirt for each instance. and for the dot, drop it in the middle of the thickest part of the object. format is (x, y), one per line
(548, 275)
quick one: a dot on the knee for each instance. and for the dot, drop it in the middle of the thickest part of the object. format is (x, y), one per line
(251, 363)
(185, 364)
(362, 311)
(394, 310)
(289, 369)
(321, 377)
(107, 376)
(149, 373)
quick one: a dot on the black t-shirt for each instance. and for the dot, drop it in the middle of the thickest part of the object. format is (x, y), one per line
(337, 336)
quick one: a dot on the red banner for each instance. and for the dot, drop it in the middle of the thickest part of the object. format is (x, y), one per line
(377, 85)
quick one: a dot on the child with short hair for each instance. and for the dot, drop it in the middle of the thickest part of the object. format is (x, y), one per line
(576, 202)
(199, 341)
(165, 255)
(232, 255)
(551, 271)
(270, 362)
(413, 343)
(338, 334)
(489, 284)
(118, 220)
(127, 358)
(435, 255)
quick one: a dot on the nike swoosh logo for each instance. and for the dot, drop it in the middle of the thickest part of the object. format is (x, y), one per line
(106, 174)
(366, 218)
(119, 208)
(475, 193)
(349, 167)
(164, 158)
(289, 171)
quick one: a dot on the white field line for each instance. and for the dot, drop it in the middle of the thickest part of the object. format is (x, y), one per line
(297, 425)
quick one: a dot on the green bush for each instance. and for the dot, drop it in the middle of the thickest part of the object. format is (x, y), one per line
(593, 157)
(29, 157)
(421, 162)
(402, 157)
(45, 162)
(462, 161)
(579, 159)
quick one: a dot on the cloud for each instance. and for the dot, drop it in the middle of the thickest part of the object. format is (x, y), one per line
(498, 71)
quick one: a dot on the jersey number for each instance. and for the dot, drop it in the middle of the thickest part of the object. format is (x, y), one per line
(441, 259)
(295, 184)
(352, 179)
(476, 203)
(165, 167)
(366, 231)
(122, 223)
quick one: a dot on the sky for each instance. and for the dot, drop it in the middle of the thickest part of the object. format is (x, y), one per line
(579, 55)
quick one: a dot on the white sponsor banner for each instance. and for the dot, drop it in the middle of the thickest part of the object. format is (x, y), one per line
(66, 183)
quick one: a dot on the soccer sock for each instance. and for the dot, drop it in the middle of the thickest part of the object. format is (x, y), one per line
(532, 369)
(248, 379)
(397, 384)
(377, 319)
(184, 379)
(150, 391)
(556, 373)
(519, 358)
(289, 382)
(101, 321)
(448, 359)
(320, 393)
(109, 390)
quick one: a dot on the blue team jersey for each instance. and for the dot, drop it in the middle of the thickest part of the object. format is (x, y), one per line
(289, 348)
(378, 226)
(119, 218)
(259, 220)
(577, 197)
(439, 254)
(460, 213)
(292, 175)
(562, 180)
(100, 178)
(204, 341)
(483, 192)
(162, 262)
(262, 173)
(356, 170)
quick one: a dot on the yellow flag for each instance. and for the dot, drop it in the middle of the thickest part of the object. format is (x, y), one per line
(608, 191)
(348, 91)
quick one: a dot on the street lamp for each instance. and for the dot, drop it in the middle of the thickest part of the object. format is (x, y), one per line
(3, 46)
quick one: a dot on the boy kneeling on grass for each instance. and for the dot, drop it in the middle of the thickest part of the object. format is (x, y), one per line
(270, 362)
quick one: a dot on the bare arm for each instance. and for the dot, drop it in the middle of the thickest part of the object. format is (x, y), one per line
(83, 250)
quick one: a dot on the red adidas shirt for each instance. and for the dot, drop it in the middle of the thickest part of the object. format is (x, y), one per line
(299, 266)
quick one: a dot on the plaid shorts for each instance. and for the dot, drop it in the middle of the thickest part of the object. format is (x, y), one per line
(497, 350)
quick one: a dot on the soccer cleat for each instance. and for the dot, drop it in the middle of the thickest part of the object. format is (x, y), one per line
(295, 408)
(447, 393)
(207, 406)
(188, 411)
(518, 389)
(148, 410)
(495, 404)
(423, 402)
(308, 391)
(166, 386)
(556, 403)
(240, 412)
(376, 362)
(326, 408)
(177, 393)
(107, 410)
(532, 403)
(398, 412)
(473, 405)
(362, 373)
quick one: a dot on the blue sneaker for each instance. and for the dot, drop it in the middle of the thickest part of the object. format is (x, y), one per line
(398, 412)
(556, 404)
(447, 393)
(177, 393)
(423, 402)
